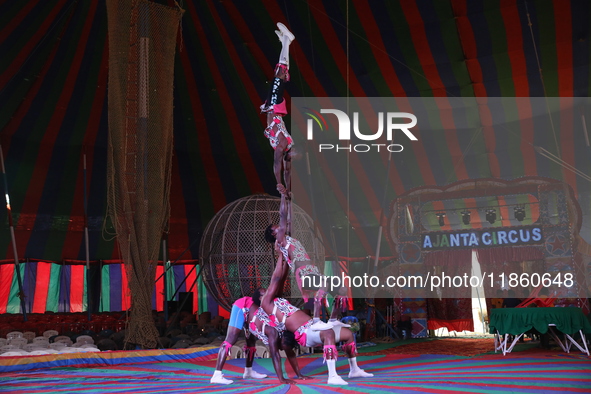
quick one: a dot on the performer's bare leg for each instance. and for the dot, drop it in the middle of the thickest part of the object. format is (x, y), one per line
(231, 338)
(250, 351)
(319, 298)
(275, 121)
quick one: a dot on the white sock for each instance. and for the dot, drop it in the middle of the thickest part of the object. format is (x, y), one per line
(332, 367)
(217, 373)
(284, 54)
(355, 371)
(353, 364)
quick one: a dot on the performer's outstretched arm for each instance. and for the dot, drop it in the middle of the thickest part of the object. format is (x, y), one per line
(277, 281)
(274, 340)
(293, 361)
(283, 215)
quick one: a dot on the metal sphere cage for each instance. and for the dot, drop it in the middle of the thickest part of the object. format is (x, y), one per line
(234, 256)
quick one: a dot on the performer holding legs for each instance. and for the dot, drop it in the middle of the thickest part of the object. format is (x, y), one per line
(296, 257)
(281, 312)
(268, 332)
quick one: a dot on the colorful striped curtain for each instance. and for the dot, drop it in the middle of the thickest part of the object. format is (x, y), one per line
(63, 287)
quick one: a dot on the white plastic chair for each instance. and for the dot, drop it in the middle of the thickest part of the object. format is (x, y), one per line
(84, 339)
(58, 345)
(3, 341)
(236, 352)
(30, 335)
(41, 339)
(262, 352)
(50, 333)
(14, 334)
(8, 348)
(65, 340)
(19, 342)
(29, 347)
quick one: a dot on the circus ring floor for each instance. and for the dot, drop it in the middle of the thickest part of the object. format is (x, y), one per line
(413, 367)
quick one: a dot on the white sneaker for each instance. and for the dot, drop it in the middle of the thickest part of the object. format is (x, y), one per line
(321, 326)
(360, 373)
(219, 379)
(336, 379)
(338, 323)
(254, 375)
(285, 31)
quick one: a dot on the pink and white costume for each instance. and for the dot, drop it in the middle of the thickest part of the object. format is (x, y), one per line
(284, 307)
(298, 252)
(276, 127)
(264, 318)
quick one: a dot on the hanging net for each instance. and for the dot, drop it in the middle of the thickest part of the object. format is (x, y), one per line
(142, 40)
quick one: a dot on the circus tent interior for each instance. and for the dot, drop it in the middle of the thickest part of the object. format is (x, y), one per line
(520, 68)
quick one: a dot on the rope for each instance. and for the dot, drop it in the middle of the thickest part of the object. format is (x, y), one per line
(529, 23)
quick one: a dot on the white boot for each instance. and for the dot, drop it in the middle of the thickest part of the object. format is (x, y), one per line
(286, 38)
(218, 378)
(249, 373)
(336, 380)
(333, 377)
(337, 323)
(285, 32)
(357, 372)
(321, 326)
(360, 373)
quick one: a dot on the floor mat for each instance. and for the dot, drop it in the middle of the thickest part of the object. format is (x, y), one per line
(542, 372)
(451, 346)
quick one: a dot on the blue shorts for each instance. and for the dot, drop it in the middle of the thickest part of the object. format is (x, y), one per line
(236, 317)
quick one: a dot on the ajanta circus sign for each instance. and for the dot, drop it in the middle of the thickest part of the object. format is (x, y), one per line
(485, 238)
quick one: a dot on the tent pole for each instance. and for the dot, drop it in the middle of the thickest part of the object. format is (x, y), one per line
(175, 261)
(165, 279)
(371, 310)
(21, 294)
(86, 246)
